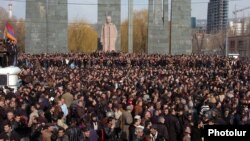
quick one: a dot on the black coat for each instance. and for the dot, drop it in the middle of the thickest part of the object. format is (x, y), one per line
(13, 136)
(160, 138)
(74, 133)
(132, 132)
(163, 131)
(173, 127)
(109, 134)
(196, 134)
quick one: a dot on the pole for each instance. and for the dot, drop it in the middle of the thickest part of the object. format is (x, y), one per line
(226, 44)
(227, 41)
(130, 26)
(47, 29)
(170, 28)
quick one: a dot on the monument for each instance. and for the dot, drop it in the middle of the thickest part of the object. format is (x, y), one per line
(110, 8)
(108, 35)
(158, 37)
(181, 33)
(46, 26)
(47, 21)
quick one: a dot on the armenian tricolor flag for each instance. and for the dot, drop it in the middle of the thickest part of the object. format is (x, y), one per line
(9, 32)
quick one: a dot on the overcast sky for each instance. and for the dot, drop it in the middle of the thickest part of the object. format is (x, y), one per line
(87, 9)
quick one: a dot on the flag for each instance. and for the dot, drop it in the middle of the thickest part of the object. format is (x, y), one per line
(9, 32)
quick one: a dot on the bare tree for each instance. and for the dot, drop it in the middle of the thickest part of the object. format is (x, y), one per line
(20, 34)
(140, 32)
(82, 37)
(3, 18)
(18, 25)
(219, 42)
(198, 42)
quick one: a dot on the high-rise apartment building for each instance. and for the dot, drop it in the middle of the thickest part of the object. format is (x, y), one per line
(217, 16)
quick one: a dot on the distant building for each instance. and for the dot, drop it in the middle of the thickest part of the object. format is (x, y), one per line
(239, 37)
(201, 23)
(239, 27)
(217, 16)
(200, 27)
(193, 22)
(240, 44)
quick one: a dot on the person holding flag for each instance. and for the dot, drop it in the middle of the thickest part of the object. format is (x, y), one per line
(10, 42)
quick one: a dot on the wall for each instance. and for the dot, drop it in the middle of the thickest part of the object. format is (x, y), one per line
(46, 31)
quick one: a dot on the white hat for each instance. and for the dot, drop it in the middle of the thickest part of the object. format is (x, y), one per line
(137, 117)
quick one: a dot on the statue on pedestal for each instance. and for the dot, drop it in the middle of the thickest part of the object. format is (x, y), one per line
(108, 35)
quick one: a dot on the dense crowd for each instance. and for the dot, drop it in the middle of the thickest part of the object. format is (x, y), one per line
(8, 53)
(119, 97)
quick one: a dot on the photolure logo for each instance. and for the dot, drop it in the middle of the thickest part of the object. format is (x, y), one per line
(221, 132)
(214, 132)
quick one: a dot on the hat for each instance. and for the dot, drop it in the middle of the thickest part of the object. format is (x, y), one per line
(85, 129)
(109, 114)
(46, 126)
(140, 127)
(137, 117)
(154, 126)
(129, 108)
(50, 124)
(146, 98)
(40, 112)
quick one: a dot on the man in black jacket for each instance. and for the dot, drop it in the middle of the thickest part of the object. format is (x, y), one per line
(108, 130)
(162, 128)
(197, 131)
(173, 125)
(86, 134)
(155, 134)
(132, 128)
(8, 133)
(74, 133)
(11, 52)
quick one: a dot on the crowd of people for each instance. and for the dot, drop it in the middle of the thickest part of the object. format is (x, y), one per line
(8, 53)
(124, 97)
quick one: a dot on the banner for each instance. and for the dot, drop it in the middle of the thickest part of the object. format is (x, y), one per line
(9, 32)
